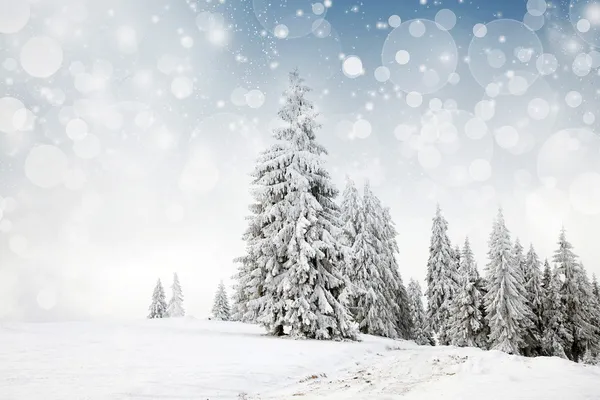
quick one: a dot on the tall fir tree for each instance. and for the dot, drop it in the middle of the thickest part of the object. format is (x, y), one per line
(221, 310)
(353, 222)
(420, 331)
(575, 298)
(158, 307)
(441, 278)
(505, 302)
(465, 315)
(175, 308)
(399, 294)
(291, 273)
(535, 298)
(375, 310)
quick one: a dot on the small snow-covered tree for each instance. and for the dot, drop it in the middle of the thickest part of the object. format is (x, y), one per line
(175, 308)
(595, 287)
(465, 321)
(519, 256)
(291, 273)
(590, 359)
(220, 310)
(506, 302)
(457, 258)
(535, 298)
(546, 276)
(420, 331)
(465, 316)
(467, 264)
(441, 278)
(158, 307)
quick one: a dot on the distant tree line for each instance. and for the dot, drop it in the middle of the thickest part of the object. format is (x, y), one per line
(520, 306)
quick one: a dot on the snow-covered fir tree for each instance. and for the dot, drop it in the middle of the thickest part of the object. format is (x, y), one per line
(291, 273)
(158, 307)
(352, 217)
(457, 257)
(420, 330)
(556, 338)
(591, 312)
(590, 358)
(546, 276)
(519, 256)
(535, 298)
(239, 301)
(399, 294)
(574, 293)
(246, 291)
(465, 317)
(351, 213)
(553, 335)
(221, 310)
(175, 308)
(596, 306)
(441, 278)
(379, 301)
(375, 309)
(251, 274)
(595, 287)
(467, 262)
(505, 303)
(482, 340)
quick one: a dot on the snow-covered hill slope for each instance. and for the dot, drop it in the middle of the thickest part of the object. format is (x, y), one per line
(191, 359)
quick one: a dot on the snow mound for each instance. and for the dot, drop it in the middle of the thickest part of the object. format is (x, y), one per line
(427, 373)
(187, 358)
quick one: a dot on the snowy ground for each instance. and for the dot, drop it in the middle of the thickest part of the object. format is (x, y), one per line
(191, 359)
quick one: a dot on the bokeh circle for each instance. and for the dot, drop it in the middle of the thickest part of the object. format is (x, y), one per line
(585, 17)
(420, 55)
(505, 56)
